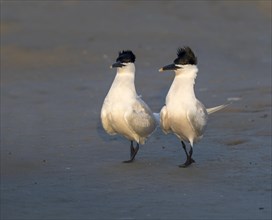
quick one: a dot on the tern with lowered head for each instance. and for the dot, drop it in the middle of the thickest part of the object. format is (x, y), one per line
(123, 111)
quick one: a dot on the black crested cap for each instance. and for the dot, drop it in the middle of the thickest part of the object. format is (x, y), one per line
(185, 56)
(126, 56)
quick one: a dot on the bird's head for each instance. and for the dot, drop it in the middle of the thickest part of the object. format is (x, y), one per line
(125, 60)
(185, 59)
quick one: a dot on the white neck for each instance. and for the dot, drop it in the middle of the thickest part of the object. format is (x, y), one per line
(123, 84)
(182, 88)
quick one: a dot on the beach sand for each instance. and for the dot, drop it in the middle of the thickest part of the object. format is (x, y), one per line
(56, 160)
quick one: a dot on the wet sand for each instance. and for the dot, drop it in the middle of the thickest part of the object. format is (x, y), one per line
(56, 160)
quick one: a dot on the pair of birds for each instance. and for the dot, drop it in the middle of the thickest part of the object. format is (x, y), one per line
(125, 113)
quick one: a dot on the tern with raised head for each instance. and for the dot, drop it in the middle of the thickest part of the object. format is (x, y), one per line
(183, 114)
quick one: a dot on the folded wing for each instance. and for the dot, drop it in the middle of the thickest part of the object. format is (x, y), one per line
(140, 118)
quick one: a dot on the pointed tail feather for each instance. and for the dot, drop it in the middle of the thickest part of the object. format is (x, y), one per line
(216, 108)
(157, 117)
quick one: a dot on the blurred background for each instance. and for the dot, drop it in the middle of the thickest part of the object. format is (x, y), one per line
(56, 160)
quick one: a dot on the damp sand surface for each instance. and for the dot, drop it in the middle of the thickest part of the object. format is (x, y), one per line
(56, 160)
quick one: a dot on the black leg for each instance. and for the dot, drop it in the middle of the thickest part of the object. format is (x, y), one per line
(184, 147)
(131, 149)
(133, 152)
(189, 159)
(190, 154)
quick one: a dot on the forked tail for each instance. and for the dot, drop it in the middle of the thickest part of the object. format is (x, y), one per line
(157, 117)
(216, 108)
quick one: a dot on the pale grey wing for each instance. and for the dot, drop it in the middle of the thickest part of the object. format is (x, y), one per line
(140, 118)
(165, 126)
(198, 119)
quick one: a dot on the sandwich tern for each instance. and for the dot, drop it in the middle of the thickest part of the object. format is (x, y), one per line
(183, 114)
(123, 111)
